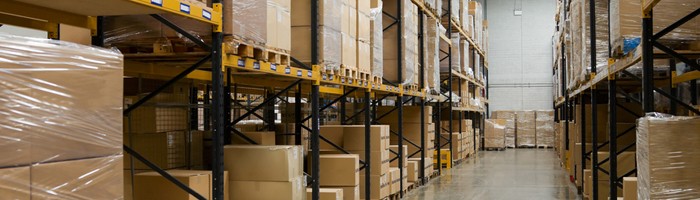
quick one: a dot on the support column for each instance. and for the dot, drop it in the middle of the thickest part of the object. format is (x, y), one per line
(612, 130)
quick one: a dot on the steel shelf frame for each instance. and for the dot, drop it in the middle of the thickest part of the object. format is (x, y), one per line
(644, 54)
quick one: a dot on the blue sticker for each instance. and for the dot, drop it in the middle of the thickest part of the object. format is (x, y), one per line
(273, 67)
(287, 70)
(309, 73)
(350, 81)
(241, 62)
(342, 80)
(157, 2)
(323, 76)
(206, 14)
(256, 65)
(299, 73)
(185, 8)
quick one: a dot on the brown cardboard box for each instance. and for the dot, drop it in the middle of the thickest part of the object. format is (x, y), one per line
(263, 163)
(629, 189)
(526, 135)
(363, 55)
(328, 13)
(350, 193)
(93, 178)
(625, 163)
(379, 186)
(494, 134)
(326, 193)
(333, 133)
(168, 150)
(456, 145)
(259, 21)
(603, 186)
(379, 161)
(395, 148)
(329, 39)
(17, 147)
(354, 137)
(151, 185)
(348, 51)
(339, 170)
(394, 178)
(268, 190)
(411, 132)
(261, 138)
(14, 183)
(413, 171)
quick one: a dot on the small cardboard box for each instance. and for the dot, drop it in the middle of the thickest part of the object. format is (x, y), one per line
(629, 189)
(404, 157)
(379, 161)
(263, 163)
(14, 183)
(354, 137)
(151, 185)
(339, 170)
(326, 193)
(412, 169)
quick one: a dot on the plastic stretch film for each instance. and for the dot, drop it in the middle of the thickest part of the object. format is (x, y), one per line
(329, 35)
(667, 157)
(60, 120)
(454, 8)
(376, 40)
(145, 34)
(526, 132)
(544, 128)
(432, 52)
(494, 134)
(407, 66)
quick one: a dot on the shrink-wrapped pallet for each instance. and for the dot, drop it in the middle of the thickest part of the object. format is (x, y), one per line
(494, 134)
(60, 120)
(544, 128)
(329, 32)
(407, 66)
(432, 53)
(667, 157)
(376, 40)
(526, 133)
(145, 34)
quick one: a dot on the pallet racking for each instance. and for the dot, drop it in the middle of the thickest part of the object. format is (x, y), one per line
(605, 83)
(230, 75)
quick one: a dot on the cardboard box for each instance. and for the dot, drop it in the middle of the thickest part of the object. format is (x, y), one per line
(411, 132)
(328, 13)
(363, 24)
(629, 189)
(151, 185)
(268, 190)
(354, 137)
(93, 178)
(350, 193)
(348, 21)
(379, 161)
(15, 183)
(394, 174)
(379, 186)
(262, 22)
(333, 133)
(263, 163)
(326, 193)
(413, 167)
(329, 39)
(168, 150)
(339, 170)
(261, 138)
(494, 134)
(348, 51)
(363, 55)
(526, 133)
(404, 157)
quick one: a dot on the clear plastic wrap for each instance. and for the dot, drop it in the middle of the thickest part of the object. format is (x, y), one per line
(465, 50)
(432, 52)
(409, 43)
(454, 8)
(376, 41)
(667, 157)
(260, 22)
(526, 129)
(330, 39)
(544, 128)
(494, 134)
(145, 34)
(60, 120)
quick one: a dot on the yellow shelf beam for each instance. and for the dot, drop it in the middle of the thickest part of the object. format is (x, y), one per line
(685, 77)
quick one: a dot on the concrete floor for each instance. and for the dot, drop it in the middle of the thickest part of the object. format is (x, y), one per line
(492, 175)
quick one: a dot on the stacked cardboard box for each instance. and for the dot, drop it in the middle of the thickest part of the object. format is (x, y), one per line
(408, 39)
(348, 33)
(667, 160)
(454, 62)
(526, 129)
(412, 170)
(62, 120)
(396, 181)
(431, 51)
(456, 149)
(411, 127)
(265, 172)
(495, 134)
(511, 119)
(151, 185)
(264, 23)
(629, 189)
(544, 128)
(329, 32)
(341, 171)
(376, 38)
(259, 137)
(476, 11)
(363, 36)
(326, 194)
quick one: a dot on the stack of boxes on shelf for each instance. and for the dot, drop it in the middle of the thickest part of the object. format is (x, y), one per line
(62, 120)
(340, 171)
(261, 23)
(432, 30)
(376, 40)
(525, 132)
(395, 171)
(544, 128)
(527, 128)
(329, 32)
(462, 142)
(408, 41)
(265, 172)
(511, 119)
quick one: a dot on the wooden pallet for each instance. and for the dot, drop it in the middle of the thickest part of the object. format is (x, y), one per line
(495, 148)
(544, 147)
(348, 72)
(411, 87)
(376, 80)
(245, 48)
(278, 56)
(527, 147)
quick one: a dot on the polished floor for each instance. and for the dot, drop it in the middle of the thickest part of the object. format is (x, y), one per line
(494, 175)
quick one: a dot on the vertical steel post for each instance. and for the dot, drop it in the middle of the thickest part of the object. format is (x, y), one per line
(315, 153)
(594, 106)
(227, 107)
(674, 87)
(298, 116)
(368, 123)
(422, 141)
(612, 128)
(438, 137)
(694, 92)
(449, 80)
(583, 138)
(217, 110)
(647, 63)
(399, 101)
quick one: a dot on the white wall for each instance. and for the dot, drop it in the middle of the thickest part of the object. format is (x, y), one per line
(520, 66)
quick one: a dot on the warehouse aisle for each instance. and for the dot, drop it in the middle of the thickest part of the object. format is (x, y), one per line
(494, 175)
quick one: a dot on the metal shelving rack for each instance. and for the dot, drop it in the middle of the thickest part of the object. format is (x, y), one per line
(231, 74)
(609, 77)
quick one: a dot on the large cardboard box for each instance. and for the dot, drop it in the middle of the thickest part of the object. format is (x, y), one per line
(526, 135)
(167, 150)
(329, 39)
(326, 193)
(394, 174)
(261, 138)
(408, 40)
(413, 167)
(404, 157)
(354, 137)
(544, 128)
(494, 135)
(379, 186)
(341, 170)
(333, 133)
(268, 190)
(349, 51)
(92, 178)
(151, 185)
(667, 157)
(15, 183)
(263, 163)
(379, 161)
(261, 22)
(350, 193)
